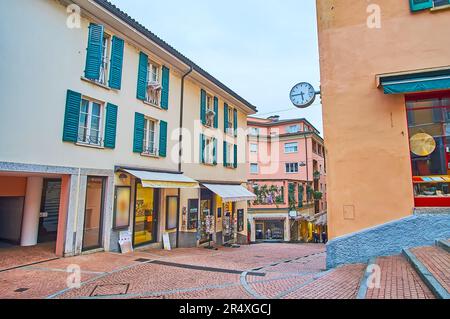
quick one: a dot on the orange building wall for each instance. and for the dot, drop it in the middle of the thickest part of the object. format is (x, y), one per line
(366, 137)
(12, 186)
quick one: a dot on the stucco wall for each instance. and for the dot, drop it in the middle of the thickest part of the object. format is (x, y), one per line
(369, 171)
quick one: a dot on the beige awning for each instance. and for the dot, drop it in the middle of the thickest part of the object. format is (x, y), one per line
(231, 193)
(163, 180)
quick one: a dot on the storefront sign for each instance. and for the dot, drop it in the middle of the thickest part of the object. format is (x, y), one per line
(166, 241)
(125, 242)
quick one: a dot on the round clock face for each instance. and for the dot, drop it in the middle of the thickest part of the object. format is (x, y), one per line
(303, 95)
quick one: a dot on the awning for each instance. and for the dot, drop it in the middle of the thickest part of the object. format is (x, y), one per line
(415, 81)
(163, 180)
(231, 193)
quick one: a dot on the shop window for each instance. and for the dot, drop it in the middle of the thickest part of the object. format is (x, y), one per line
(429, 133)
(171, 212)
(240, 220)
(192, 220)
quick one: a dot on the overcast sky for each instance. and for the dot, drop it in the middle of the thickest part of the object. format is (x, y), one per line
(259, 48)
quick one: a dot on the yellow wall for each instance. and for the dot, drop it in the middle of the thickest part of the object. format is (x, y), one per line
(366, 134)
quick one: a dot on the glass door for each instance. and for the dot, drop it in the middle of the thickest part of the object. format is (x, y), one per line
(145, 216)
(93, 216)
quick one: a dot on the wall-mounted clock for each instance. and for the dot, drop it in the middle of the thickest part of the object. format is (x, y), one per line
(303, 95)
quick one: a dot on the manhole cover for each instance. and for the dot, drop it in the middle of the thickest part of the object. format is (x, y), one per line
(110, 290)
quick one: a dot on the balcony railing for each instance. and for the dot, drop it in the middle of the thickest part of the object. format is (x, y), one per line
(90, 140)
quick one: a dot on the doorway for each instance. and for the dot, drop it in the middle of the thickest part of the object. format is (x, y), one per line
(48, 221)
(145, 230)
(93, 217)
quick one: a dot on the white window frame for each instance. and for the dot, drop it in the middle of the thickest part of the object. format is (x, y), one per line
(252, 165)
(293, 129)
(153, 96)
(292, 168)
(208, 152)
(253, 148)
(210, 107)
(290, 145)
(230, 155)
(254, 131)
(147, 149)
(87, 140)
(230, 128)
(106, 56)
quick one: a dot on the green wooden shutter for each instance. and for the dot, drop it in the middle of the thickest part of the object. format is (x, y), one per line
(225, 151)
(71, 116)
(110, 125)
(142, 76)
(235, 122)
(215, 151)
(139, 122)
(94, 52)
(225, 117)
(202, 149)
(417, 5)
(203, 106)
(165, 88)
(235, 156)
(163, 139)
(216, 110)
(115, 74)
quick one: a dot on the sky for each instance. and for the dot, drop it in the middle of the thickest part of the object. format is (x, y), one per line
(258, 48)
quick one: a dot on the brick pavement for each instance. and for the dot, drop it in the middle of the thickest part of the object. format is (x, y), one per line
(398, 281)
(285, 271)
(437, 262)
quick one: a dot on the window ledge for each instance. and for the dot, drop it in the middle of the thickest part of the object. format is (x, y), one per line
(96, 83)
(152, 104)
(90, 145)
(150, 155)
(440, 8)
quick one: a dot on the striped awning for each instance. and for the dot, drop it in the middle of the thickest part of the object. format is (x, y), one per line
(431, 179)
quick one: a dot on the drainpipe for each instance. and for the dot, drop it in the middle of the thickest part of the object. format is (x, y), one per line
(180, 154)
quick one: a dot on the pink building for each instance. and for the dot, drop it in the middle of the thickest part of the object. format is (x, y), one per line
(287, 173)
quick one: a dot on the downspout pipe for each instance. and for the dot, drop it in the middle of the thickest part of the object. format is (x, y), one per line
(180, 143)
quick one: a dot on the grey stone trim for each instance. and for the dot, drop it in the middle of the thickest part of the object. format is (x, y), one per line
(362, 292)
(444, 244)
(388, 239)
(431, 210)
(438, 290)
(49, 169)
(187, 240)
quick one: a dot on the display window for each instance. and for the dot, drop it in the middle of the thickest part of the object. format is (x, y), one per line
(429, 134)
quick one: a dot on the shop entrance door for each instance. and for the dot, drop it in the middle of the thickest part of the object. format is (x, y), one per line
(145, 228)
(228, 223)
(93, 216)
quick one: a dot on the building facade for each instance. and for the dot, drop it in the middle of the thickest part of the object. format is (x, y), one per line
(287, 173)
(386, 94)
(102, 136)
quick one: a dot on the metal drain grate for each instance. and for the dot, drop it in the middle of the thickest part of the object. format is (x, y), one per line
(142, 260)
(110, 290)
(21, 289)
